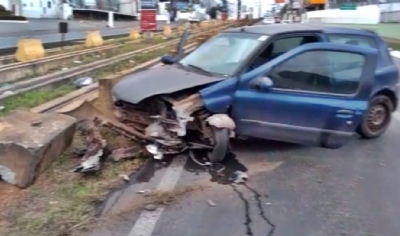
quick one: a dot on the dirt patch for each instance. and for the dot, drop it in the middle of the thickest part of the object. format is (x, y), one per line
(166, 198)
(60, 202)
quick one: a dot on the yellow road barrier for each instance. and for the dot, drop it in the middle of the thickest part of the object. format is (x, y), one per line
(29, 49)
(167, 30)
(134, 34)
(93, 39)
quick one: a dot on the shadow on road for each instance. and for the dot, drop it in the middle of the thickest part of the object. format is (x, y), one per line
(262, 145)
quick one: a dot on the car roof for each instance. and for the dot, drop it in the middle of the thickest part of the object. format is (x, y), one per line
(299, 27)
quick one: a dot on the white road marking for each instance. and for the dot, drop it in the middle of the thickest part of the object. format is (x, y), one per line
(146, 223)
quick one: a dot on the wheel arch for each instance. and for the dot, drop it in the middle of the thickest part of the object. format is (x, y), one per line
(390, 94)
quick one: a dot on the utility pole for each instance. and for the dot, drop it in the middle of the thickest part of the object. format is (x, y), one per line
(172, 10)
(239, 9)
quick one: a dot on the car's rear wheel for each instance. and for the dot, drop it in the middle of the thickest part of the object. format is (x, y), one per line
(378, 117)
(221, 147)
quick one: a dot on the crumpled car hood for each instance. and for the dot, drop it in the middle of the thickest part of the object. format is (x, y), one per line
(161, 80)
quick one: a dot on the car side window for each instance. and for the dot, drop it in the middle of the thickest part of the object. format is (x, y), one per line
(320, 71)
(279, 47)
(364, 41)
(286, 44)
(359, 40)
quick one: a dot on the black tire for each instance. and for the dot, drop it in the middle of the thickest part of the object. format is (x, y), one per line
(370, 128)
(221, 147)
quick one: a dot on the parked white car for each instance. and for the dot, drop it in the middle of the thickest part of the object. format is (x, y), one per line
(268, 20)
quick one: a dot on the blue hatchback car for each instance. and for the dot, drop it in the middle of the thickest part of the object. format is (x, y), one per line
(301, 83)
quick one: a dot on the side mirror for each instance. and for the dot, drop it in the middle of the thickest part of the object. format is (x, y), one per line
(261, 83)
(168, 60)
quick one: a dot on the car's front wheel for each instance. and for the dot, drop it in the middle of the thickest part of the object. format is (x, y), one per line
(221, 147)
(377, 119)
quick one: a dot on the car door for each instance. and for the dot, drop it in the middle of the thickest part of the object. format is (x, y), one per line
(307, 95)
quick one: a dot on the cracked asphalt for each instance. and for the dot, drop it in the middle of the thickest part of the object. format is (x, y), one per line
(292, 190)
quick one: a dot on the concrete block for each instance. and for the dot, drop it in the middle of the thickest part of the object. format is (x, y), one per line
(29, 49)
(167, 30)
(134, 34)
(30, 142)
(148, 35)
(93, 39)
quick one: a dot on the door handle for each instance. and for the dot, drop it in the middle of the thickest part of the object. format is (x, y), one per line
(345, 112)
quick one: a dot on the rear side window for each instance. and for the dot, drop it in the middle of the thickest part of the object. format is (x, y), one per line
(353, 40)
(286, 44)
(365, 41)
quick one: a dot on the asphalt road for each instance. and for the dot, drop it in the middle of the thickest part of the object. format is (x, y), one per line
(291, 191)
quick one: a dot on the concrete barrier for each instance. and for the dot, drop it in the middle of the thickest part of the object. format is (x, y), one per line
(390, 17)
(30, 142)
(93, 39)
(167, 30)
(134, 34)
(370, 14)
(29, 49)
(362, 15)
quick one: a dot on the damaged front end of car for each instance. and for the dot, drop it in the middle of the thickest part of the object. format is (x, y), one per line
(175, 123)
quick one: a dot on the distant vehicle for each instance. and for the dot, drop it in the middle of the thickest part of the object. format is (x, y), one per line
(301, 83)
(268, 18)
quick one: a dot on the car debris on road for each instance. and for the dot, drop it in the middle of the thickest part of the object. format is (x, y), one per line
(211, 203)
(93, 149)
(239, 177)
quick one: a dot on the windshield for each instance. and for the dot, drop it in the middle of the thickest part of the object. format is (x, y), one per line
(224, 53)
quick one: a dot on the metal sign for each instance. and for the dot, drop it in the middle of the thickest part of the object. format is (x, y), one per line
(148, 5)
(348, 6)
(148, 15)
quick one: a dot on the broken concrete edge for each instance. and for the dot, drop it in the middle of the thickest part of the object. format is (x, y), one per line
(27, 150)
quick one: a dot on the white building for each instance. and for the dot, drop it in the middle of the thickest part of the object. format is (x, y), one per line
(38, 8)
